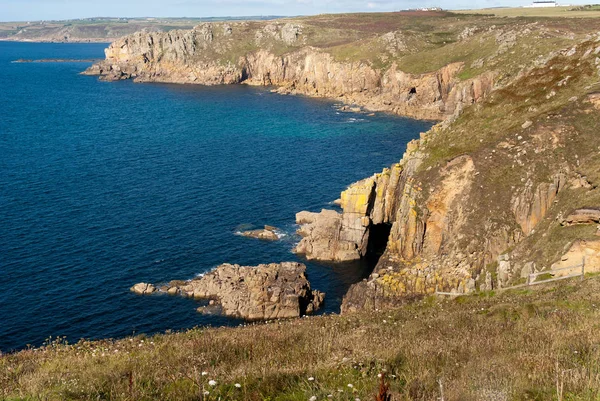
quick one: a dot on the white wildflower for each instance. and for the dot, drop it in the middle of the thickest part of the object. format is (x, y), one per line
(379, 375)
(204, 373)
(350, 385)
(206, 392)
(238, 385)
(313, 398)
(310, 379)
(212, 383)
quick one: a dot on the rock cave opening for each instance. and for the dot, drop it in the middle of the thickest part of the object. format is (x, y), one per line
(412, 91)
(378, 239)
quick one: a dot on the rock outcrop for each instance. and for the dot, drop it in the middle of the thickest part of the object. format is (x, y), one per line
(269, 233)
(143, 289)
(582, 216)
(475, 203)
(269, 291)
(207, 55)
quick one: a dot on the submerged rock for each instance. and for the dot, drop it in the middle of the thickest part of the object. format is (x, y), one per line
(268, 291)
(269, 233)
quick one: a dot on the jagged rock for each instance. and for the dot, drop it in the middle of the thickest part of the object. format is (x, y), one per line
(269, 233)
(143, 288)
(182, 57)
(582, 216)
(269, 291)
(324, 238)
(290, 33)
(530, 206)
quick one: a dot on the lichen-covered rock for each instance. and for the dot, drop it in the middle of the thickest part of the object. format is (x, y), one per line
(269, 291)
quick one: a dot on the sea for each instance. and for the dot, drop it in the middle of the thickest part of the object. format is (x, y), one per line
(107, 184)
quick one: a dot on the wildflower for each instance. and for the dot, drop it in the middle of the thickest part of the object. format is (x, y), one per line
(357, 399)
(350, 385)
(204, 373)
(310, 379)
(206, 392)
(212, 383)
(313, 398)
(238, 385)
(329, 395)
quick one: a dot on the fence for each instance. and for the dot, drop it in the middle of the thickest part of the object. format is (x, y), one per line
(531, 278)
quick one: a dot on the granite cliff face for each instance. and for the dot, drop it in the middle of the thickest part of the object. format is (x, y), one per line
(467, 210)
(209, 55)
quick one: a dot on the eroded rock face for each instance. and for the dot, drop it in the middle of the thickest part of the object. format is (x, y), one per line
(198, 56)
(582, 216)
(587, 252)
(325, 237)
(269, 291)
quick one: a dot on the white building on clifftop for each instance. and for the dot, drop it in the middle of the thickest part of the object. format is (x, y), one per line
(543, 3)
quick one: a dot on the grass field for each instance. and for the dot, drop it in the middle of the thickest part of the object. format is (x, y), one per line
(564, 11)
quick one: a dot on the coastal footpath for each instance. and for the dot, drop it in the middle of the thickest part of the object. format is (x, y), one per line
(476, 203)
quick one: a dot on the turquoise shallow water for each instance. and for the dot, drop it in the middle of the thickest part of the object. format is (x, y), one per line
(103, 185)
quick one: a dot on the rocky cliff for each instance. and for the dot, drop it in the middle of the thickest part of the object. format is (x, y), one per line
(476, 202)
(277, 54)
(478, 209)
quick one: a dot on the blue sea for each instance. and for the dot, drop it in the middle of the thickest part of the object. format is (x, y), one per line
(103, 185)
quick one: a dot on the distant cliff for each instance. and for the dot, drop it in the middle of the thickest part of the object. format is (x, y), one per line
(280, 54)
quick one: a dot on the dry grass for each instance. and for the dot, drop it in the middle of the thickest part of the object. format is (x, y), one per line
(513, 346)
(555, 12)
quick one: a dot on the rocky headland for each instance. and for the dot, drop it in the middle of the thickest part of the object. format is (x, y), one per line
(263, 292)
(282, 54)
(504, 185)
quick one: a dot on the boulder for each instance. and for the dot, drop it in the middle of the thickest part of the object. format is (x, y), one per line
(143, 288)
(269, 233)
(326, 237)
(582, 216)
(267, 291)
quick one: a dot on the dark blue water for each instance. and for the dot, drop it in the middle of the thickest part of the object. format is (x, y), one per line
(103, 185)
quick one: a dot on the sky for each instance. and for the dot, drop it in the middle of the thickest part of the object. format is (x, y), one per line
(30, 10)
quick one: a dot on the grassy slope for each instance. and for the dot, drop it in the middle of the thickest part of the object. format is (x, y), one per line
(561, 12)
(513, 346)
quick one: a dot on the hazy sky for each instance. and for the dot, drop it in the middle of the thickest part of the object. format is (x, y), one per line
(26, 10)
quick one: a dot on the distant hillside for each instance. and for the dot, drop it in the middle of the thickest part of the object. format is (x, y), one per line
(100, 29)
